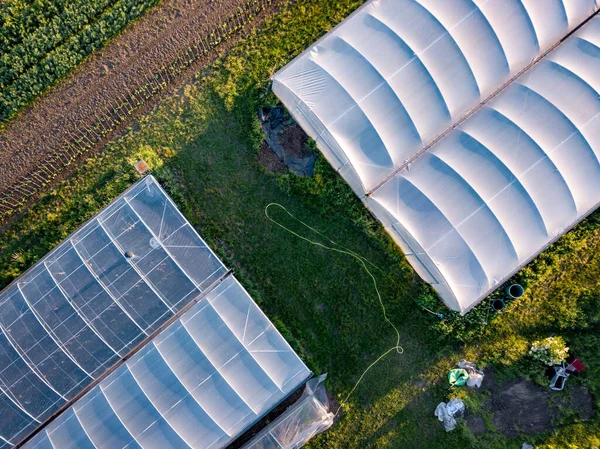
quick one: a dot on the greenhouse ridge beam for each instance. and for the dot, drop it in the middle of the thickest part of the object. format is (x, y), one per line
(134, 351)
(468, 114)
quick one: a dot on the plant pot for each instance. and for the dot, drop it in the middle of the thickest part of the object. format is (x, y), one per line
(497, 305)
(515, 291)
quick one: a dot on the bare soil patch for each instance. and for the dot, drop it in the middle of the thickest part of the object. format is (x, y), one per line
(519, 406)
(294, 140)
(269, 160)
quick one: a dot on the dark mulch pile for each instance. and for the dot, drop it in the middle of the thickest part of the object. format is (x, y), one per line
(287, 141)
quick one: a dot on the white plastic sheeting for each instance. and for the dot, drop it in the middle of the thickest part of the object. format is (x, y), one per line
(87, 305)
(398, 73)
(393, 96)
(199, 384)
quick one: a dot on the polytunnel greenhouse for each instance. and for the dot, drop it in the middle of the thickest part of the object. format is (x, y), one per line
(132, 333)
(468, 128)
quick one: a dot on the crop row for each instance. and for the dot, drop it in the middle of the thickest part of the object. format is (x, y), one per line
(20, 18)
(124, 105)
(56, 47)
(37, 44)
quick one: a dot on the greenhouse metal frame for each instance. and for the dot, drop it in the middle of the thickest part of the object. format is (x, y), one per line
(106, 309)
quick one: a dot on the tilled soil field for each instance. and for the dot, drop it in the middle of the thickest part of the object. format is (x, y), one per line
(104, 95)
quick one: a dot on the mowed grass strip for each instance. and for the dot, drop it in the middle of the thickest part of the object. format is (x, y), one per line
(202, 145)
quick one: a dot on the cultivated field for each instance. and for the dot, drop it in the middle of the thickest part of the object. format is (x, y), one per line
(203, 144)
(103, 96)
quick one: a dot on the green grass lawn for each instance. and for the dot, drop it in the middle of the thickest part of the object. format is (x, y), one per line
(202, 144)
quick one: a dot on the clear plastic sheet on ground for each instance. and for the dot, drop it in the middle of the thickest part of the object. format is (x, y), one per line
(306, 418)
(448, 412)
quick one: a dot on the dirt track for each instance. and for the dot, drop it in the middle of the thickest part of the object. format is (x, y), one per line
(107, 77)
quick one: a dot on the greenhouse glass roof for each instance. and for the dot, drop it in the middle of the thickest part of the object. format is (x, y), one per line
(466, 127)
(103, 294)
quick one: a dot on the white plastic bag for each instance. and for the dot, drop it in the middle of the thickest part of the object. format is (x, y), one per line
(447, 413)
(475, 375)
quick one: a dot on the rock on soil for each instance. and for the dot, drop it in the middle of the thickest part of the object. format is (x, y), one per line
(287, 141)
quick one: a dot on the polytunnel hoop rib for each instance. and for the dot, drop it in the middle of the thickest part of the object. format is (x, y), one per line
(384, 82)
(246, 346)
(136, 269)
(447, 31)
(575, 74)
(564, 8)
(218, 369)
(190, 391)
(186, 223)
(99, 281)
(484, 102)
(51, 333)
(162, 245)
(78, 312)
(543, 151)
(415, 57)
(14, 400)
(83, 428)
(521, 5)
(156, 408)
(454, 229)
(577, 130)
(516, 179)
(484, 203)
(356, 105)
(28, 362)
(133, 436)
